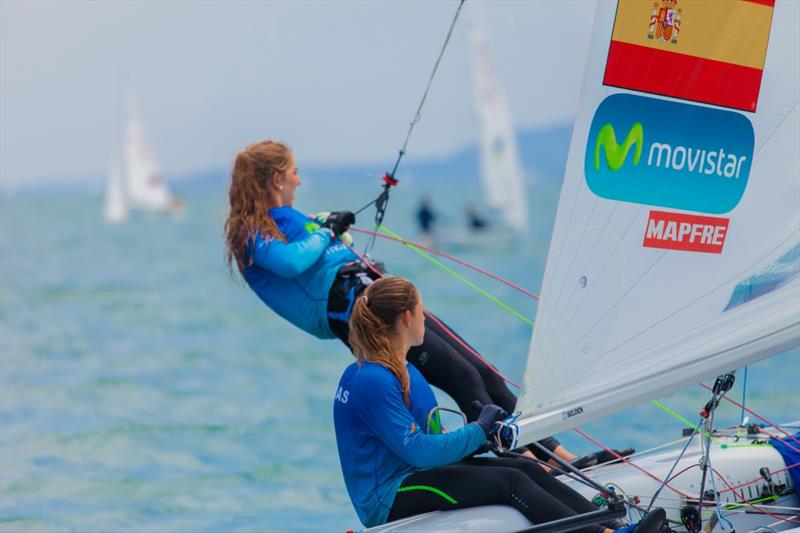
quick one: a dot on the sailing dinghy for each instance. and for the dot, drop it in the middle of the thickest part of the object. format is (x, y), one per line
(142, 187)
(675, 257)
(115, 209)
(502, 177)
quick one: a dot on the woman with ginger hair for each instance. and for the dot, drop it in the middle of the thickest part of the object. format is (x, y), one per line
(394, 468)
(303, 271)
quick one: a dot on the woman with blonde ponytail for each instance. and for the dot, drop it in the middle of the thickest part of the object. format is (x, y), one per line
(392, 466)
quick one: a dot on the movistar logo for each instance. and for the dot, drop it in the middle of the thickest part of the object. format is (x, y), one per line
(696, 158)
(615, 153)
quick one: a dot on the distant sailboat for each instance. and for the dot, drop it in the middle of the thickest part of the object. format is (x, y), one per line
(115, 209)
(138, 186)
(502, 177)
(501, 170)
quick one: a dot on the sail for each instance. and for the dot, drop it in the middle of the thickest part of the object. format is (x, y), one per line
(115, 208)
(501, 170)
(675, 254)
(145, 188)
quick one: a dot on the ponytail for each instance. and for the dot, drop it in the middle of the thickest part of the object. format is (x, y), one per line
(372, 323)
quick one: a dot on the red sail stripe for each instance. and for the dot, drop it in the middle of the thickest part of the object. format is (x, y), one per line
(645, 69)
(770, 3)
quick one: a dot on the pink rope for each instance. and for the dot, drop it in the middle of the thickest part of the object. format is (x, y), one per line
(441, 325)
(737, 404)
(756, 480)
(624, 460)
(473, 352)
(450, 257)
(757, 508)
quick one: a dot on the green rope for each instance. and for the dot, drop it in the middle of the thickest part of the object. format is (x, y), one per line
(528, 321)
(684, 420)
(732, 506)
(722, 445)
(459, 276)
(429, 489)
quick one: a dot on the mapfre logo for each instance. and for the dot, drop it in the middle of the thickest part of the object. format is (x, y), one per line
(673, 155)
(680, 231)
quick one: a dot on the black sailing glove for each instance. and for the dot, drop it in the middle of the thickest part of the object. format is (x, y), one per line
(339, 222)
(489, 415)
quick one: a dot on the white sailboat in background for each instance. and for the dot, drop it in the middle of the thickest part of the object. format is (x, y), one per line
(675, 255)
(501, 170)
(138, 186)
(115, 209)
(502, 177)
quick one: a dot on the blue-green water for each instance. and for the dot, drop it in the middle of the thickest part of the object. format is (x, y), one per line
(143, 389)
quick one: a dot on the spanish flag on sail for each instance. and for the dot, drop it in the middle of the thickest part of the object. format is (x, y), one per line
(708, 51)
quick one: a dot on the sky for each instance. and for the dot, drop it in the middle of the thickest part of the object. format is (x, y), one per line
(337, 80)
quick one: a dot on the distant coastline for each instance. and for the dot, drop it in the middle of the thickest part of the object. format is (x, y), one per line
(543, 152)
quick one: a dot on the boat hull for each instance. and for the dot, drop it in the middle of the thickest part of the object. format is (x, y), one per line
(738, 458)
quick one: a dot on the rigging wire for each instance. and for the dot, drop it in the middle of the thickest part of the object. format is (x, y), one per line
(782, 509)
(440, 253)
(734, 402)
(447, 330)
(756, 480)
(721, 517)
(744, 396)
(626, 461)
(458, 276)
(389, 179)
(667, 478)
(760, 509)
(418, 114)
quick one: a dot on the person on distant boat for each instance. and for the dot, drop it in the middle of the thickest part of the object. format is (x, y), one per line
(301, 269)
(425, 217)
(475, 222)
(393, 466)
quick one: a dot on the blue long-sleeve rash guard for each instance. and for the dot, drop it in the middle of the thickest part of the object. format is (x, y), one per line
(381, 440)
(293, 278)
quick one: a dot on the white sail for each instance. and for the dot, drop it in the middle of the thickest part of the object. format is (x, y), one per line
(501, 171)
(145, 188)
(115, 209)
(675, 254)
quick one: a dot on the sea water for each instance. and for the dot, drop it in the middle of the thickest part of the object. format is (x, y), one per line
(143, 388)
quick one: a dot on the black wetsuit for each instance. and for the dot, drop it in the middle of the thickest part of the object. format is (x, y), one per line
(489, 480)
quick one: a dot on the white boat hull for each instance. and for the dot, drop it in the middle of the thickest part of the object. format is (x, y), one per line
(738, 464)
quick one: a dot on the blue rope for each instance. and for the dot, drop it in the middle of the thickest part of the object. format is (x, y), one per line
(716, 498)
(674, 465)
